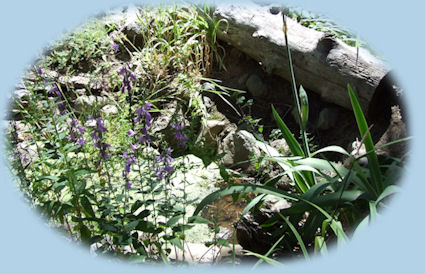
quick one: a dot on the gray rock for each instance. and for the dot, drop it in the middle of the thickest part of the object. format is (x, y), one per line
(132, 28)
(109, 110)
(239, 150)
(23, 131)
(255, 86)
(89, 101)
(208, 103)
(281, 146)
(214, 127)
(162, 122)
(22, 96)
(28, 151)
(395, 131)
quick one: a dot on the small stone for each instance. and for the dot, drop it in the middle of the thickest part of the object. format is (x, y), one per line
(109, 110)
(281, 146)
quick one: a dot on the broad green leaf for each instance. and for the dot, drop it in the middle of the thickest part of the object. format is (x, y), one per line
(84, 233)
(253, 203)
(177, 242)
(174, 220)
(373, 163)
(85, 203)
(52, 178)
(243, 188)
(387, 192)
(293, 144)
(320, 245)
(331, 199)
(223, 242)
(337, 149)
(131, 226)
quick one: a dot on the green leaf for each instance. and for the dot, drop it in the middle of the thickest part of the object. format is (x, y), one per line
(337, 149)
(297, 235)
(242, 188)
(320, 245)
(253, 203)
(294, 146)
(131, 226)
(223, 242)
(146, 226)
(264, 258)
(198, 220)
(177, 242)
(85, 203)
(174, 220)
(84, 233)
(387, 192)
(331, 199)
(373, 163)
(52, 178)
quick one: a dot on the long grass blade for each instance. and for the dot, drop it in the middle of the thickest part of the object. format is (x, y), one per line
(293, 144)
(297, 235)
(370, 148)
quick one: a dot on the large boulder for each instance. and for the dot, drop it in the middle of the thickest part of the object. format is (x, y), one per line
(239, 150)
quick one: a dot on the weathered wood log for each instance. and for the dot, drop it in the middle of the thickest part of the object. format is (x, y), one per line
(322, 63)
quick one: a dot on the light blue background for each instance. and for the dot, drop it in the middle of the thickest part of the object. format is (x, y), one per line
(394, 244)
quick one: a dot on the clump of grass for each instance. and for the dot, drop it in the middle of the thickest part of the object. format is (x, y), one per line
(81, 50)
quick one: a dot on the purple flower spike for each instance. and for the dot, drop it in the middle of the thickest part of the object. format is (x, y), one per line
(39, 71)
(127, 185)
(131, 133)
(81, 142)
(181, 139)
(134, 147)
(115, 47)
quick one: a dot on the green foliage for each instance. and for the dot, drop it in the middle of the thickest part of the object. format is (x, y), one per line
(80, 50)
(339, 194)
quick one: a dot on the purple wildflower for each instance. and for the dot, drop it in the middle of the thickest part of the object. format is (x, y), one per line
(144, 111)
(97, 136)
(76, 132)
(115, 47)
(129, 160)
(162, 165)
(131, 133)
(39, 71)
(81, 142)
(134, 147)
(55, 90)
(181, 138)
(128, 77)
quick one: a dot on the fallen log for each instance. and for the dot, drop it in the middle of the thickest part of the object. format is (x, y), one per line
(322, 63)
